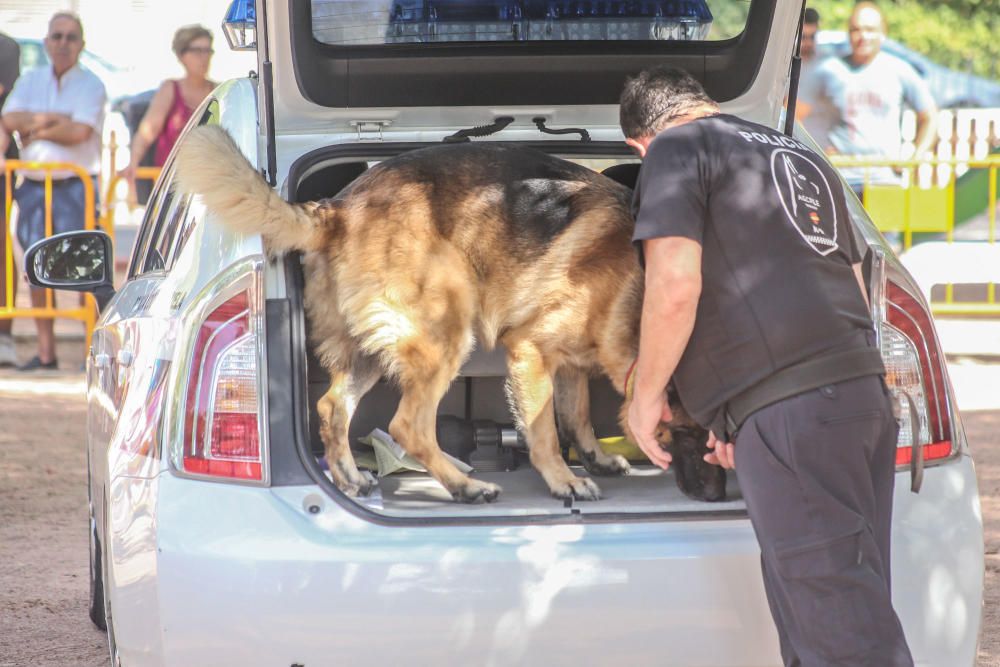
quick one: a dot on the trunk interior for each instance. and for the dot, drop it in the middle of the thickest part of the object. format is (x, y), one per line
(475, 425)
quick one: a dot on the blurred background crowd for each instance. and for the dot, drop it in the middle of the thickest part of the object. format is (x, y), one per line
(108, 85)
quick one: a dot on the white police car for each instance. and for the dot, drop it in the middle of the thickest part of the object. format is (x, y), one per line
(217, 537)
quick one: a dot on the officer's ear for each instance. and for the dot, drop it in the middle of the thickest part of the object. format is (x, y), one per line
(640, 146)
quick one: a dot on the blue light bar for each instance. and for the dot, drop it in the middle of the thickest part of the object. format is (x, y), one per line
(504, 20)
(240, 25)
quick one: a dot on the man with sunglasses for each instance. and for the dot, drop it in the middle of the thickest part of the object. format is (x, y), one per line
(57, 112)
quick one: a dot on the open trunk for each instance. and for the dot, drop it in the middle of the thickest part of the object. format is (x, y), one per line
(475, 424)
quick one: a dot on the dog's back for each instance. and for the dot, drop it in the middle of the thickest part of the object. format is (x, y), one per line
(511, 231)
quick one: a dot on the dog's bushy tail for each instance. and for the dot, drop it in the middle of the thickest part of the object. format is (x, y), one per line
(208, 163)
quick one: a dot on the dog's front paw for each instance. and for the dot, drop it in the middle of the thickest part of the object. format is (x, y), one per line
(580, 488)
(606, 465)
(354, 482)
(476, 491)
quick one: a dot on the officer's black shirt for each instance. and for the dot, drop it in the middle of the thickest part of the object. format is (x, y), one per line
(777, 248)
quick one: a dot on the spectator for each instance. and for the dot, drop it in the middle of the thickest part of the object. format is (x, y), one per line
(57, 111)
(817, 123)
(864, 95)
(10, 69)
(175, 100)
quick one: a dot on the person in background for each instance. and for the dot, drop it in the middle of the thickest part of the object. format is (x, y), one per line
(863, 95)
(817, 123)
(10, 69)
(175, 100)
(57, 111)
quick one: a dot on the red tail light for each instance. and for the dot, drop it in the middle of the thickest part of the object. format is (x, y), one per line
(221, 422)
(915, 373)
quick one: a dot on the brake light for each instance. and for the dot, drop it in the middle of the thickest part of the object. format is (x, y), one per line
(221, 423)
(915, 374)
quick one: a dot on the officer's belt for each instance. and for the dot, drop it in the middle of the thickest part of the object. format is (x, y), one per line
(815, 372)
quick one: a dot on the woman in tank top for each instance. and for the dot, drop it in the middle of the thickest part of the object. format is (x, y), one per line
(175, 101)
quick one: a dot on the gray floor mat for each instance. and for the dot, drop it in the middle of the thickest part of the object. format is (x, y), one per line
(647, 489)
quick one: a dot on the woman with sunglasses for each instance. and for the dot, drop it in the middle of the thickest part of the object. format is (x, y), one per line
(176, 100)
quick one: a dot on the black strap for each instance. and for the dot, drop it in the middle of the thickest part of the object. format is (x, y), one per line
(540, 124)
(830, 368)
(480, 131)
(793, 79)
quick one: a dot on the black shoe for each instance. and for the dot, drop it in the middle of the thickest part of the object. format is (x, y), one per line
(36, 364)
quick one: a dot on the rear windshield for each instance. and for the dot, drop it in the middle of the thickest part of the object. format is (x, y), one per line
(379, 22)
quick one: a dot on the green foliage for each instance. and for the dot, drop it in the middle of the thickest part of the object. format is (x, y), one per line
(961, 34)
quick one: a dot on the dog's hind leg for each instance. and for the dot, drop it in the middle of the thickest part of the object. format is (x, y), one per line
(573, 421)
(336, 407)
(425, 370)
(531, 390)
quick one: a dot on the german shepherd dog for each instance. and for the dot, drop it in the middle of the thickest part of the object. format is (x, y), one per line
(432, 252)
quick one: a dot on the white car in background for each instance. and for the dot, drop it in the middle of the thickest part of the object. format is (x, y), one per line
(218, 539)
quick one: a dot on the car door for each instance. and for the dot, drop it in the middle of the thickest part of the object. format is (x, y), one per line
(131, 348)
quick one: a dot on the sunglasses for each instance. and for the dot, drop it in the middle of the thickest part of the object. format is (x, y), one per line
(68, 36)
(200, 50)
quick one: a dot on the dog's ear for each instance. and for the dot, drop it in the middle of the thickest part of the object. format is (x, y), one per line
(681, 417)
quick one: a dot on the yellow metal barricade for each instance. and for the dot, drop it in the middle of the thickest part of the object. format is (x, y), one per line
(87, 310)
(925, 204)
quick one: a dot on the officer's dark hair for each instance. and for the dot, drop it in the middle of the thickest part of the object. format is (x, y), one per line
(811, 16)
(656, 96)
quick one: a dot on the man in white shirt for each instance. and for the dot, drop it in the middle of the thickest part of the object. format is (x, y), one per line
(864, 94)
(57, 111)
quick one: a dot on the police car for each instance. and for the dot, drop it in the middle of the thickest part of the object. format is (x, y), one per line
(218, 538)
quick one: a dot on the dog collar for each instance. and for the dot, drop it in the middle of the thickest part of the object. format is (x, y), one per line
(629, 378)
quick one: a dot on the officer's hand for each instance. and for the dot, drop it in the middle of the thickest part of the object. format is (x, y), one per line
(643, 418)
(722, 454)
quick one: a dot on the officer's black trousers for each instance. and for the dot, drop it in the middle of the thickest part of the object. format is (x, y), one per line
(817, 474)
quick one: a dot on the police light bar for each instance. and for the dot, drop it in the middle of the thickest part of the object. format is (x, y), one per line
(501, 20)
(240, 25)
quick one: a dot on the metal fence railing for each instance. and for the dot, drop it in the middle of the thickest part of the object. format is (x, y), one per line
(86, 310)
(945, 212)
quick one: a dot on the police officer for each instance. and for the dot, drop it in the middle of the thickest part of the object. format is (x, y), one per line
(755, 305)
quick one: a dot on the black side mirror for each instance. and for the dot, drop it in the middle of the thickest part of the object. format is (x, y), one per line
(74, 261)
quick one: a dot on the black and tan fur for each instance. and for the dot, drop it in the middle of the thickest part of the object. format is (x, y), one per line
(430, 253)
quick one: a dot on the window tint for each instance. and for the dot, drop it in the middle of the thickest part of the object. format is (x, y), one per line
(167, 220)
(371, 22)
(158, 201)
(160, 256)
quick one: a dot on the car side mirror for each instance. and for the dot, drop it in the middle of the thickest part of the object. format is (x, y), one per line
(75, 261)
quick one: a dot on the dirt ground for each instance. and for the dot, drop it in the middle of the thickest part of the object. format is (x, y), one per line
(43, 518)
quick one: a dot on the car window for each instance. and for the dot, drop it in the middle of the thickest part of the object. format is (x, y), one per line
(160, 257)
(158, 202)
(192, 214)
(380, 22)
(167, 222)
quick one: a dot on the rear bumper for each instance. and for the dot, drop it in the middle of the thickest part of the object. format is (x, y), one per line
(224, 574)
(249, 576)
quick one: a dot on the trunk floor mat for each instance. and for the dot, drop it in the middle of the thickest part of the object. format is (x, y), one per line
(647, 489)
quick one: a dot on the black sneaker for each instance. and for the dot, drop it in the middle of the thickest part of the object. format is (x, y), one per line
(36, 364)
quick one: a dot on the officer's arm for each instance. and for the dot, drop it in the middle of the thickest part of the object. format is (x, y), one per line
(673, 287)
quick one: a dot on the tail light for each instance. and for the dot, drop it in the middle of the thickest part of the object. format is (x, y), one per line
(916, 375)
(222, 411)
